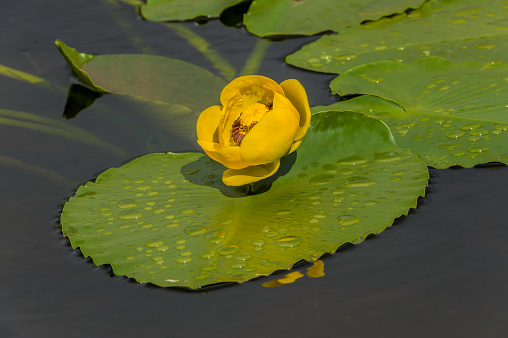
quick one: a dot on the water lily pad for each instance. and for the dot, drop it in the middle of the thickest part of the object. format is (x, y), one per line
(307, 17)
(459, 30)
(168, 219)
(151, 77)
(448, 114)
(169, 10)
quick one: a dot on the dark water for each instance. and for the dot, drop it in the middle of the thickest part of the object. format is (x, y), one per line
(440, 272)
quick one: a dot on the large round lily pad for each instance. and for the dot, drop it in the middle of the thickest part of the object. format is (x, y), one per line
(447, 113)
(459, 30)
(307, 17)
(168, 219)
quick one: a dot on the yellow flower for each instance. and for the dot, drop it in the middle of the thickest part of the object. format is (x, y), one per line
(259, 122)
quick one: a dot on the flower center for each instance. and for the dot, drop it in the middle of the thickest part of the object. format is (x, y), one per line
(248, 119)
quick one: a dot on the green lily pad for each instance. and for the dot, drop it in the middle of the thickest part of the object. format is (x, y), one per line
(151, 77)
(448, 114)
(167, 219)
(170, 10)
(307, 17)
(459, 30)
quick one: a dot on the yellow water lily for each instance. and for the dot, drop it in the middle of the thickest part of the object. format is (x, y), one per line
(259, 122)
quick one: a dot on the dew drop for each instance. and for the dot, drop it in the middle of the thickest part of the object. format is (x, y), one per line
(454, 134)
(283, 212)
(346, 57)
(448, 144)
(202, 276)
(407, 124)
(289, 241)
(125, 204)
(130, 215)
(479, 132)
(228, 250)
(259, 242)
(330, 168)
(154, 244)
(346, 171)
(190, 171)
(225, 221)
(216, 236)
(162, 248)
(338, 199)
(348, 220)
(357, 181)
(315, 196)
(271, 234)
(321, 179)
(502, 128)
(187, 211)
(474, 138)
(470, 126)
(243, 257)
(195, 230)
(206, 254)
(208, 267)
(338, 191)
(389, 156)
(459, 153)
(478, 149)
(352, 160)
(183, 260)
(144, 187)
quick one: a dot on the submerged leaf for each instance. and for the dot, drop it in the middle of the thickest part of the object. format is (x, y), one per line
(307, 17)
(459, 30)
(447, 113)
(168, 219)
(53, 127)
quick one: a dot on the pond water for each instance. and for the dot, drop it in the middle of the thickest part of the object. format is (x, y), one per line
(441, 271)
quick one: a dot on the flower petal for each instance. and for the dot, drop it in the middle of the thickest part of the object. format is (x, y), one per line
(251, 88)
(280, 101)
(236, 177)
(228, 156)
(296, 94)
(206, 126)
(271, 138)
(229, 114)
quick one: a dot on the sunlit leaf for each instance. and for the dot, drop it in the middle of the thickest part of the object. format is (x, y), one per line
(307, 17)
(448, 113)
(168, 219)
(459, 30)
(169, 10)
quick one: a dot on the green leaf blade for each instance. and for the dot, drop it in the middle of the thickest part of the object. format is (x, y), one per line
(452, 113)
(167, 219)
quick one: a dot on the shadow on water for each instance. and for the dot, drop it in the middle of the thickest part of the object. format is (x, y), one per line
(79, 98)
(203, 172)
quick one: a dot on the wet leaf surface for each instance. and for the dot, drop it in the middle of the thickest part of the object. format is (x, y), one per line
(447, 113)
(168, 219)
(465, 30)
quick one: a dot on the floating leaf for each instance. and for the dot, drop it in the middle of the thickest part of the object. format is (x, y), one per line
(449, 114)
(465, 30)
(155, 78)
(306, 17)
(170, 10)
(168, 219)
